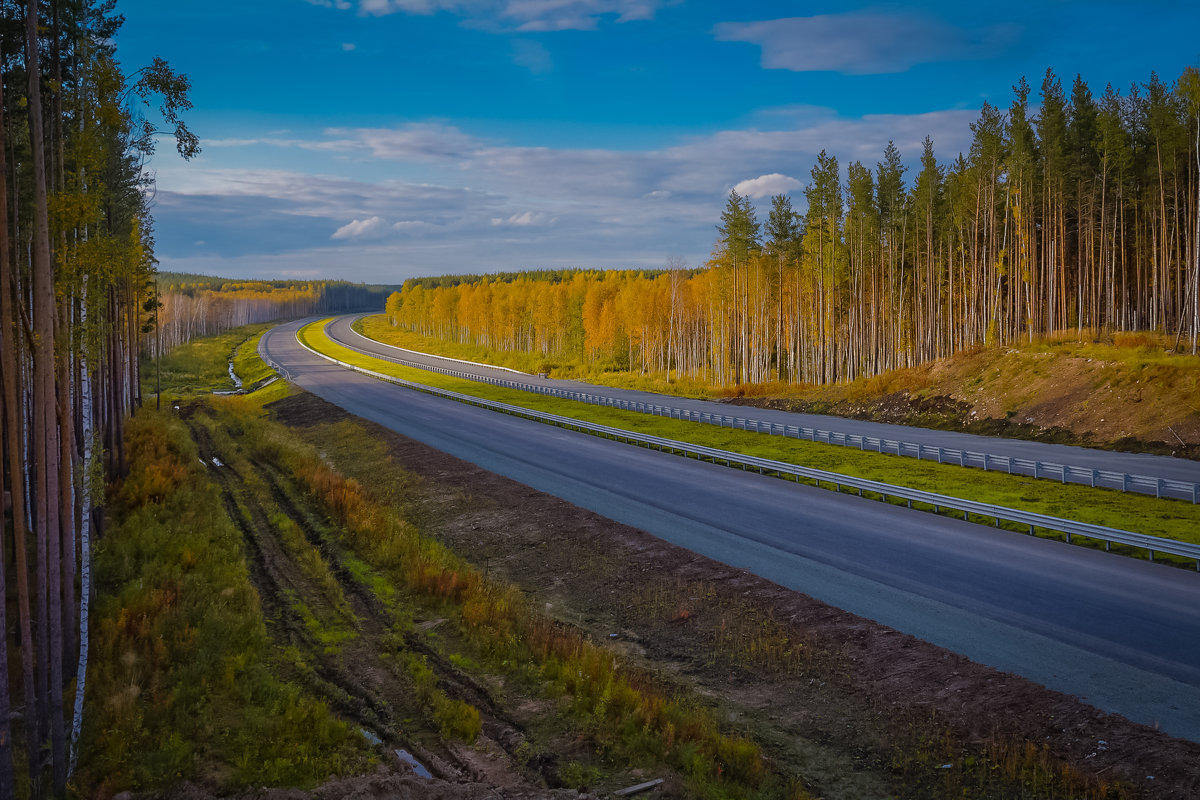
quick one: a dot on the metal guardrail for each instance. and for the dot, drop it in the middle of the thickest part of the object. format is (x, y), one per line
(1070, 528)
(1122, 481)
(270, 362)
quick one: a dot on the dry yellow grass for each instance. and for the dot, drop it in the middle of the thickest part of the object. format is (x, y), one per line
(1132, 386)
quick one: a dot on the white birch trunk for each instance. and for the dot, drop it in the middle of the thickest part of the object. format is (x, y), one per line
(85, 534)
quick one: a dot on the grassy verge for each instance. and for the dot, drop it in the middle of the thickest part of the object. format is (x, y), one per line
(180, 682)
(202, 365)
(246, 363)
(1140, 513)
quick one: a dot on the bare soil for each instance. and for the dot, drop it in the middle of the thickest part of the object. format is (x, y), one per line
(853, 708)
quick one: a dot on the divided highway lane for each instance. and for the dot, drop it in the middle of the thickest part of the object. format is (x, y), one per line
(1122, 634)
(1178, 469)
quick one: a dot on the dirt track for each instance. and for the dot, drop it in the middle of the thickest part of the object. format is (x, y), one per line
(856, 709)
(357, 677)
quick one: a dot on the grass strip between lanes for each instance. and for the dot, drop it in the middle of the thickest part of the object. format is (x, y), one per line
(246, 363)
(1140, 513)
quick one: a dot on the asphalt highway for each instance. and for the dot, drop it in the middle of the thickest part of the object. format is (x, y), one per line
(1122, 634)
(1179, 469)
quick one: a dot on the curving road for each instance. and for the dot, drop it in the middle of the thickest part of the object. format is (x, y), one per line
(1179, 469)
(1122, 634)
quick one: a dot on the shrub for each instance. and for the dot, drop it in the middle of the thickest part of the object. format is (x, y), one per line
(1133, 339)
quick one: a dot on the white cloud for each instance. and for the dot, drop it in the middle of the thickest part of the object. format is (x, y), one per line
(532, 55)
(520, 15)
(524, 218)
(607, 207)
(561, 15)
(767, 185)
(358, 229)
(379, 8)
(422, 141)
(349, 46)
(862, 42)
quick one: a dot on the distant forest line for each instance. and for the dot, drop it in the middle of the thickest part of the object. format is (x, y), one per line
(1081, 217)
(200, 305)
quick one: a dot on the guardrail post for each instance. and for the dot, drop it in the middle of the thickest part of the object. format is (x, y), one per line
(1125, 482)
(1064, 473)
(1036, 466)
(1093, 479)
(1158, 488)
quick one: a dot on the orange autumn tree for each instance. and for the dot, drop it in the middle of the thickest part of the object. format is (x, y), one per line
(1069, 214)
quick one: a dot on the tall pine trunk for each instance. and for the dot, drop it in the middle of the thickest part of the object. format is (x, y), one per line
(46, 434)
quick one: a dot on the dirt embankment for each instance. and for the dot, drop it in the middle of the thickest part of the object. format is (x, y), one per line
(856, 709)
(1136, 397)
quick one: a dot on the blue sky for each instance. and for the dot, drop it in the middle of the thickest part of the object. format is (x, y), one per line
(375, 140)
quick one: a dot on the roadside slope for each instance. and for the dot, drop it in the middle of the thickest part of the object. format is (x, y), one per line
(1131, 394)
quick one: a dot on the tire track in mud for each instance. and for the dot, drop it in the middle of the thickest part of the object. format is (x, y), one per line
(274, 576)
(370, 611)
(358, 682)
(368, 607)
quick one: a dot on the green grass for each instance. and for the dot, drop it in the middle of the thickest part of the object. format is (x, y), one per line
(1134, 512)
(202, 365)
(179, 683)
(247, 364)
